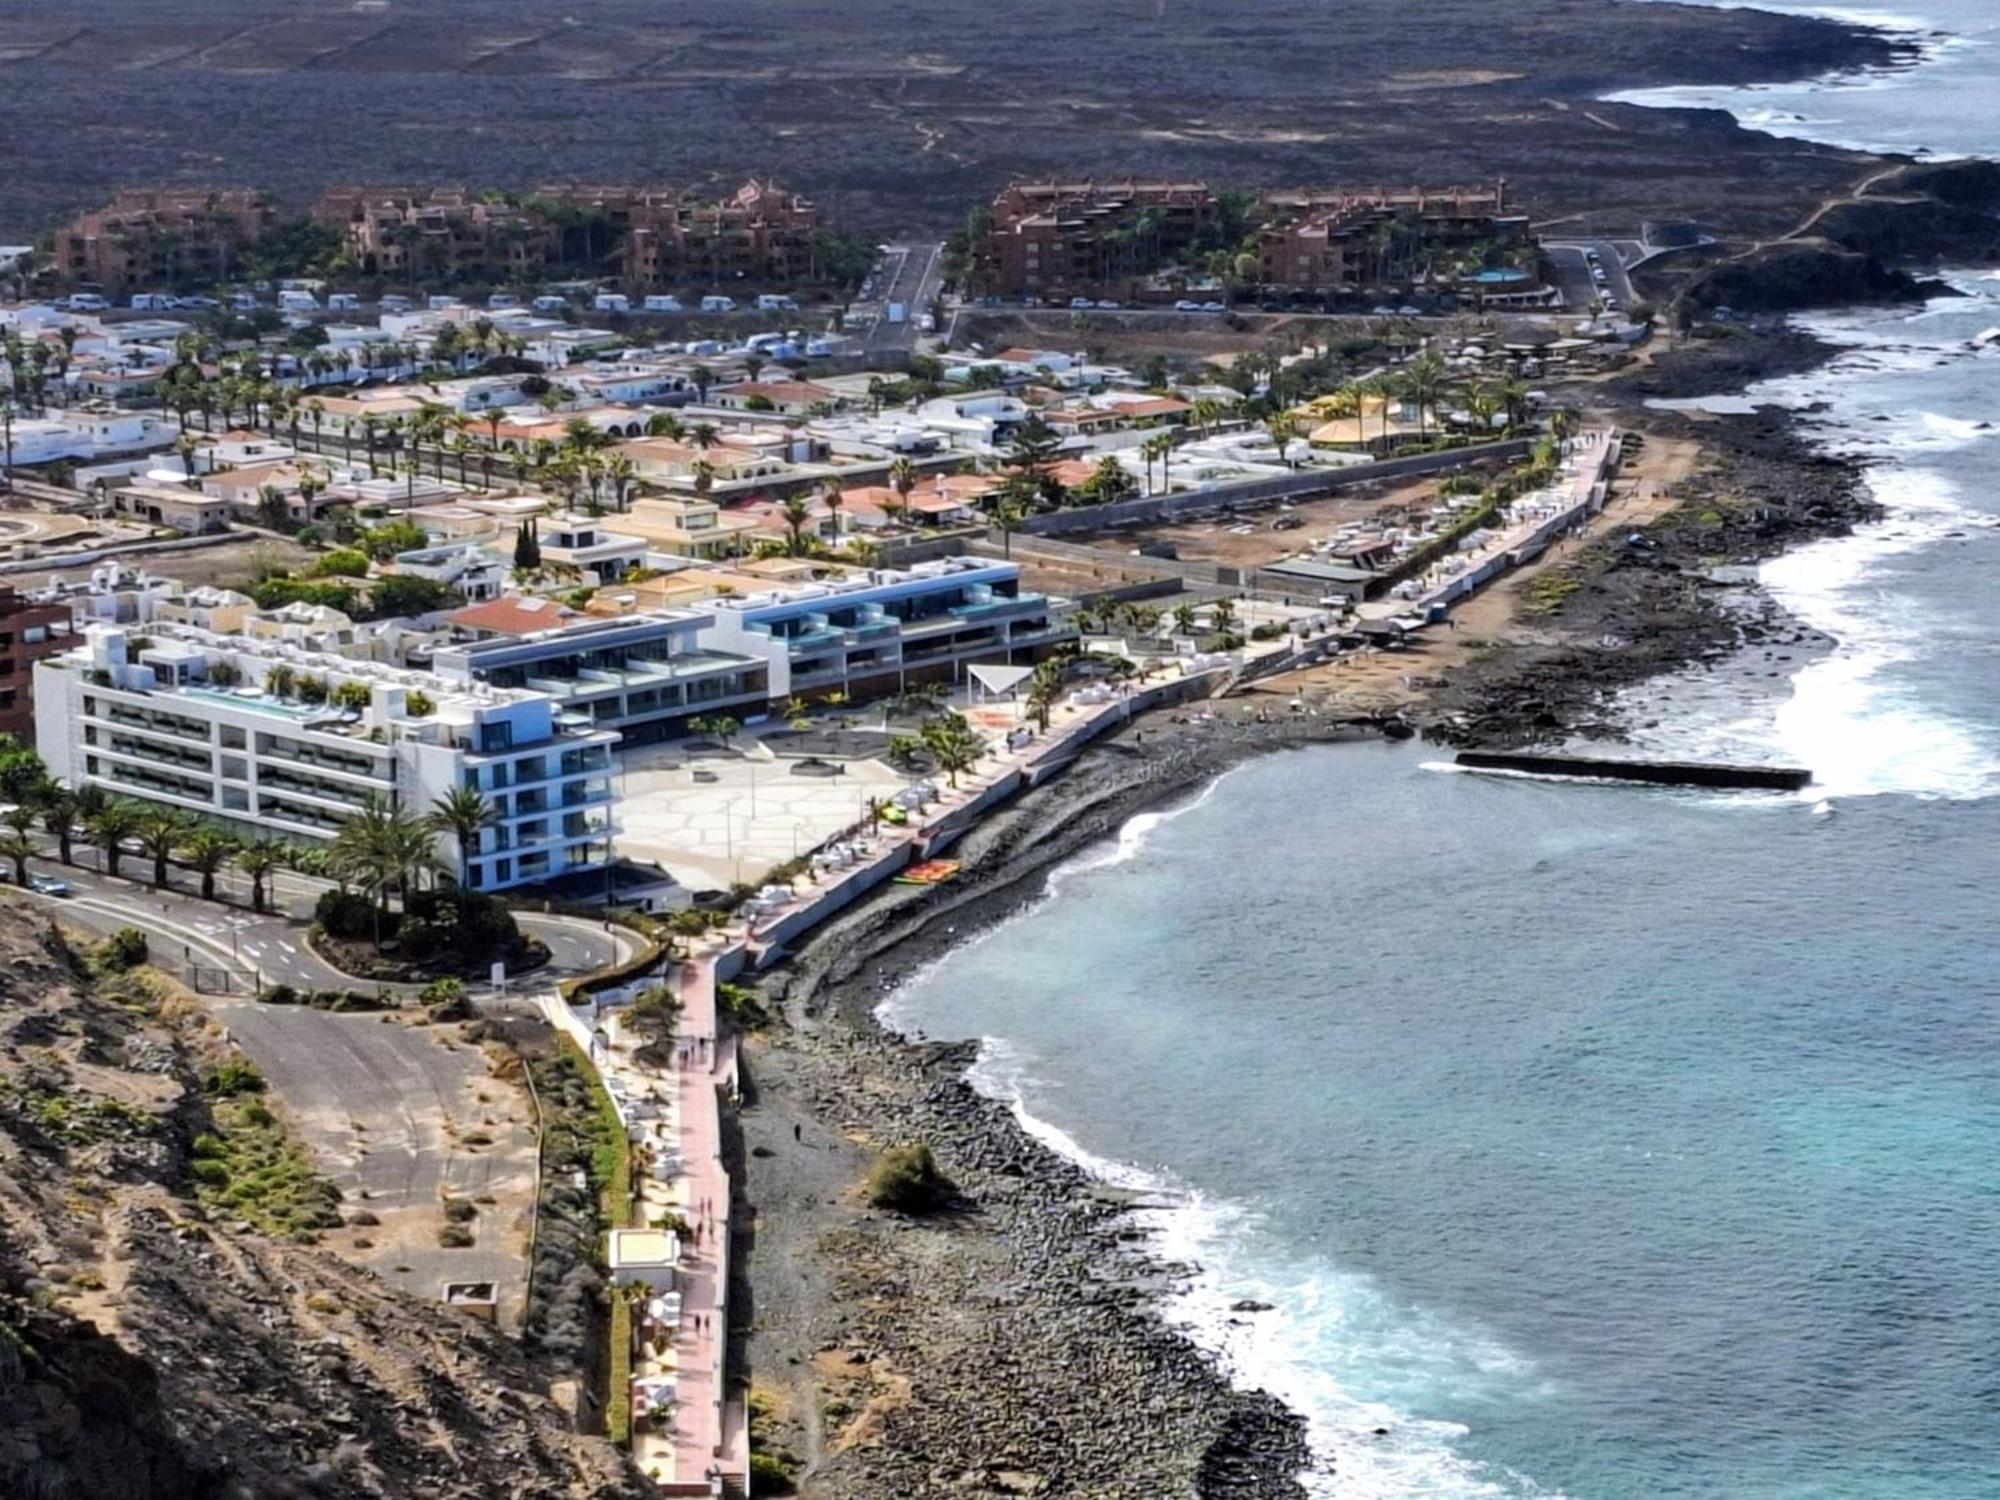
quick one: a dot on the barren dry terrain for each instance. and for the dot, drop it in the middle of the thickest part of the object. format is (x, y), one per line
(900, 114)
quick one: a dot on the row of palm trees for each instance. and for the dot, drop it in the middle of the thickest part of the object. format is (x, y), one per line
(382, 849)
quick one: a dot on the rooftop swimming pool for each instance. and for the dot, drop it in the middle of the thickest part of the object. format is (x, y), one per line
(258, 705)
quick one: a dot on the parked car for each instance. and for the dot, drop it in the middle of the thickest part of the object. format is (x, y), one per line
(395, 302)
(201, 304)
(1186, 306)
(551, 304)
(1215, 307)
(1079, 303)
(48, 885)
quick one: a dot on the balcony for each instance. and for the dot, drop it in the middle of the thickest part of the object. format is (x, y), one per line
(157, 723)
(588, 794)
(158, 755)
(329, 761)
(299, 786)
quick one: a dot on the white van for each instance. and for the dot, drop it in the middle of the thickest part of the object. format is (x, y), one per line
(342, 302)
(298, 302)
(611, 302)
(718, 304)
(438, 302)
(773, 302)
(155, 302)
(666, 303)
(551, 304)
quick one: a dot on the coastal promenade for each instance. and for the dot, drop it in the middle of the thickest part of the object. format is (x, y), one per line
(1578, 493)
(690, 1431)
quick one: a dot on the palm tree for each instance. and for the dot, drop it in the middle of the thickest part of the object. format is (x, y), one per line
(383, 849)
(462, 812)
(207, 850)
(59, 813)
(953, 745)
(1284, 430)
(110, 826)
(19, 848)
(1045, 691)
(1425, 378)
(664, 424)
(260, 861)
(703, 473)
(831, 498)
(902, 479)
(797, 512)
(1007, 518)
(160, 833)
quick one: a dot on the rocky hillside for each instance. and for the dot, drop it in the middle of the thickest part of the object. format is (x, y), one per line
(153, 1346)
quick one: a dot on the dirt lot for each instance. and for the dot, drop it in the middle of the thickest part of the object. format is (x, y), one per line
(900, 117)
(230, 564)
(1219, 541)
(1381, 681)
(404, 1119)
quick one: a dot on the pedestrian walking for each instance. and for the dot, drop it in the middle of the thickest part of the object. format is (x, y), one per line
(795, 1131)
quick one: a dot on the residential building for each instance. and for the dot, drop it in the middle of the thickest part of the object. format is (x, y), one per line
(192, 720)
(788, 398)
(184, 510)
(1052, 239)
(873, 631)
(436, 232)
(1317, 239)
(160, 237)
(643, 674)
(87, 433)
(30, 629)
(571, 539)
(688, 526)
(476, 573)
(761, 233)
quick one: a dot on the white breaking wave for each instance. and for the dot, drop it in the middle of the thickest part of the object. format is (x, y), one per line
(1321, 1320)
(1860, 733)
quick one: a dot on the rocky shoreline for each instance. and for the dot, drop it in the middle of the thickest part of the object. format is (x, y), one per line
(1096, 1394)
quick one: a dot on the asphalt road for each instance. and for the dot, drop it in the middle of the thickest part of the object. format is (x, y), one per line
(1573, 272)
(913, 276)
(187, 932)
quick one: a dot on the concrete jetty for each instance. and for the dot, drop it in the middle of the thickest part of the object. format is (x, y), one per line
(1656, 772)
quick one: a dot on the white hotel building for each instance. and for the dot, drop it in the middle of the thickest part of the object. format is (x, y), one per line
(155, 725)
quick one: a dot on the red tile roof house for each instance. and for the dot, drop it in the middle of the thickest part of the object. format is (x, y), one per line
(791, 398)
(510, 614)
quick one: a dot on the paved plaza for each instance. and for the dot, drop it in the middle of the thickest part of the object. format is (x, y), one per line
(713, 818)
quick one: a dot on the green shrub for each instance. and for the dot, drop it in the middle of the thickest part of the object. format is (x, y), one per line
(906, 1179)
(770, 1475)
(343, 562)
(348, 915)
(211, 1173)
(227, 1080)
(124, 949)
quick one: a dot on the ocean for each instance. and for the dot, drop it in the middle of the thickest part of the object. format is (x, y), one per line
(1606, 1143)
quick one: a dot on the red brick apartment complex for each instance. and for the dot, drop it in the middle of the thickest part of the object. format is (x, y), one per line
(1053, 239)
(28, 632)
(651, 235)
(416, 232)
(1317, 239)
(161, 237)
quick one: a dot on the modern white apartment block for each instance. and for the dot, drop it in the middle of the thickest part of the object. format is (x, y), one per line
(877, 631)
(646, 675)
(197, 721)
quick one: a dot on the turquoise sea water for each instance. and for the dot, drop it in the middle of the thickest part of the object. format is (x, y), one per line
(1604, 1143)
